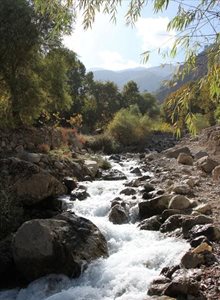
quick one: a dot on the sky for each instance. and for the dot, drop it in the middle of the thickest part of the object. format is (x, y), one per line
(118, 46)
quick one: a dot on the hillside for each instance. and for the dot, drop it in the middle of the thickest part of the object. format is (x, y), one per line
(147, 79)
(198, 72)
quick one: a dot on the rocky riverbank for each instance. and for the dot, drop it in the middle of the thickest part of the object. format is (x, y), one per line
(179, 198)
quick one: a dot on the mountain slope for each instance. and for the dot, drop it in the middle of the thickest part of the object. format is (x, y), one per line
(147, 79)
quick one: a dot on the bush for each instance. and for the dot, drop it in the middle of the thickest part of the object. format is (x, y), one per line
(103, 143)
(129, 126)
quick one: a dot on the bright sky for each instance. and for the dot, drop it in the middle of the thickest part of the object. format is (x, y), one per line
(118, 47)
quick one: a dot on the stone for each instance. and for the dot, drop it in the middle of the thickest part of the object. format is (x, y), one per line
(203, 247)
(174, 152)
(70, 184)
(31, 157)
(185, 159)
(152, 223)
(206, 164)
(191, 221)
(118, 215)
(59, 165)
(113, 175)
(93, 166)
(170, 212)
(79, 193)
(182, 189)
(6, 259)
(19, 149)
(136, 171)
(172, 223)
(190, 182)
(115, 157)
(209, 230)
(148, 187)
(192, 260)
(37, 187)
(200, 154)
(153, 206)
(62, 246)
(199, 240)
(158, 286)
(179, 202)
(128, 191)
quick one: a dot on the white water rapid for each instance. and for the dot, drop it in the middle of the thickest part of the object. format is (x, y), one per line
(136, 256)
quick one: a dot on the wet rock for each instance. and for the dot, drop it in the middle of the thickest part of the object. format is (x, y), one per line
(192, 260)
(128, 191)
(148, 187)
(174, 152)
(134, 183)
(209, 230)
(158, 286)
(153, 206)
(113, 175)
(206, 164)
(70, 184)
(79, 193)
(136, 171)
(170, 212)
(169, 271)
(179, 202)
(203, 247)
(185, 159)
(152, 223)
(172, 223)
(191, 221)
(62, 245)
(182, 286)
(118, 215)
(115, 157)
(147, 196)
(199, 240)
(93, 166)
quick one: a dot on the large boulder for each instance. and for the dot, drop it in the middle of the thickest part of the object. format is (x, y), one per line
(179, 202)
(29, 184)
(62, 245)
(206, 164)
(93, 166)
(152, 223)
(174, 152)
(113, 175)
(208, 230)
(153, 206)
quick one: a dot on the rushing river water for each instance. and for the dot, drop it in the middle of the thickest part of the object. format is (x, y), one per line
(136, 256)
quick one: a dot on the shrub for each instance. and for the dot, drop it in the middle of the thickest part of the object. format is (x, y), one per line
(129, 126)
(103, 143)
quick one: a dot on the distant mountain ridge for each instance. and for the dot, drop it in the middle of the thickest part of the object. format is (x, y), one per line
(147, 79)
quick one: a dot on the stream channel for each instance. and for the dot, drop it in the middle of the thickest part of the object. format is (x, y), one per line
(136, 256)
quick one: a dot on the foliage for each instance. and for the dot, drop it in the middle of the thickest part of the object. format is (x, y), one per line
(129, 126)
(103, 142)
(196, 24)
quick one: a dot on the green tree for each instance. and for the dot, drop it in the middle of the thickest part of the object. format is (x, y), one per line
(130, 94)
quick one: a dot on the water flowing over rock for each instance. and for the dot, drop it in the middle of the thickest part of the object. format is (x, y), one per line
(61, 245)
(153, 206)
(118, 215)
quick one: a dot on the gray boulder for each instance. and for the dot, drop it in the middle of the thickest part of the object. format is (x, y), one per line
(62, 245)
(118, 215)
(179, 202)
(174, 152)
(185, 159)
(208, 230)
(152, 223)
(153, 206)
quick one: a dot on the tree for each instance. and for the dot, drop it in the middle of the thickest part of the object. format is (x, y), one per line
(26, 36)
(130, 94)
(196, 24)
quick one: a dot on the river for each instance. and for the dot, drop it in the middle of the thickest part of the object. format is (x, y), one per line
(135, 256)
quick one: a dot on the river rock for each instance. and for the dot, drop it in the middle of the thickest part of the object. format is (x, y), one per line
(191, 221)
(158, 286)
(128, 191)
(179, 202)
(113, 175)
(174, 152)
(206, 164)
(31, 157)
(118, 215)
(185, 159)
(62, 245)
(93, 166)
(153, 206)
(199, 240)
(148, 187)
(192, 260)
(70, 184)
(136, 171)
(152, 223)
(172, 223)
(203, 247)
(209, 230)
(79, 193)
(200, 154)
